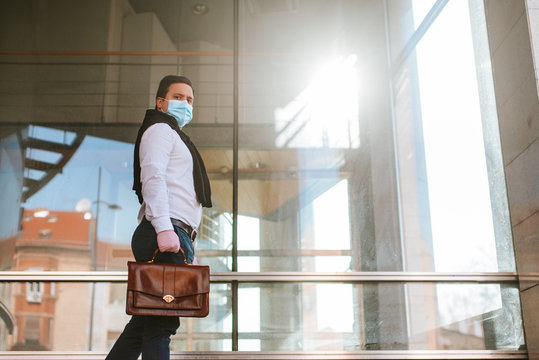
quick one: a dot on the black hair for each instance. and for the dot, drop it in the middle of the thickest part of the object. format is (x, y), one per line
(168, 80)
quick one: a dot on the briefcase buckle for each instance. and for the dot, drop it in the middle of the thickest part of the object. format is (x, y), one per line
(168, 298)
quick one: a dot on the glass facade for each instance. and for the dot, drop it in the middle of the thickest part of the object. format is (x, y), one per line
(353, 138)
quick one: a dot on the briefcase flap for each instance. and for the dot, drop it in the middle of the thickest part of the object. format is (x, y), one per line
(160, 280)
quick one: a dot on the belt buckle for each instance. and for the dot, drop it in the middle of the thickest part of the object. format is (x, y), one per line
(188, 229)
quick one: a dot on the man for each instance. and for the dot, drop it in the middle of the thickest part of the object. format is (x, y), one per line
(172, 186)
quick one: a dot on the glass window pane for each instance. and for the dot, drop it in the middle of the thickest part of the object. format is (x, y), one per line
(453, 202)
(317, 160)
(386, 316)
(405, 17)
(303, 119)
(59, 320)
(345, 163)
(71, 109)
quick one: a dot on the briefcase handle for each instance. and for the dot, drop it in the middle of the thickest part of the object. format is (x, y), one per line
(157, 250)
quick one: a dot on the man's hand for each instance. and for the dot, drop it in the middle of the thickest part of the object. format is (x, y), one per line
(168, 241)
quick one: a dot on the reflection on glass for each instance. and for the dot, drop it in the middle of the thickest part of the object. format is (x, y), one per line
(333, 317)
(61, 317)
(420, 9)
(332, 208)
(69, 117)
(248, 243)
(76, 193)
(304, 121)
(79, 204)
(250, 319)
(457, 179)
(339, 184)
(445, 187)
(404, 19)
(299, 120)
(214, 240)
(209, 333)
(336, 183)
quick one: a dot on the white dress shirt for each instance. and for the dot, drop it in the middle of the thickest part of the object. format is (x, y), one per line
(166, 174)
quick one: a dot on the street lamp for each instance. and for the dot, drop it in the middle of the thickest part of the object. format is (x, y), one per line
(85, 205)
(94, 235)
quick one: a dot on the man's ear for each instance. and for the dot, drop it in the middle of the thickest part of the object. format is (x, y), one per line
(159, 103)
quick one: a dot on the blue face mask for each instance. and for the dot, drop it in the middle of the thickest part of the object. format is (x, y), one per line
(181, 110)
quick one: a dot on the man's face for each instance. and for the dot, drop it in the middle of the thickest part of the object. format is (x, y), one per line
(176, 91)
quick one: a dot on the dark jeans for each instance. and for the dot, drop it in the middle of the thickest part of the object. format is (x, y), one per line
(150, 335)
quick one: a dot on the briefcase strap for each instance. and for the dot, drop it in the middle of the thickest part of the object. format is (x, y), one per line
(157, 251)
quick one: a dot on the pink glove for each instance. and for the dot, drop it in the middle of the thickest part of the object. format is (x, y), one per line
(168, 241)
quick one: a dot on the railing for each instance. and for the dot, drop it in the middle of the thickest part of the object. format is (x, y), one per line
(225, 277)
(282, 355)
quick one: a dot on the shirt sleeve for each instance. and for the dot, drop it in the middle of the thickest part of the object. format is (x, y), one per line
(154, 153)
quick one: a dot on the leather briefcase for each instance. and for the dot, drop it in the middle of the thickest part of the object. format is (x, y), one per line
(167, 289)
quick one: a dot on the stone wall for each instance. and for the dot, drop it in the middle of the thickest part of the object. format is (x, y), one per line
(511, 24)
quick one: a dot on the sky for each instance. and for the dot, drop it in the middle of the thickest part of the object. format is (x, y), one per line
(79, 180)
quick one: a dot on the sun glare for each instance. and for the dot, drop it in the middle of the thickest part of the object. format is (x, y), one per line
(325, 113)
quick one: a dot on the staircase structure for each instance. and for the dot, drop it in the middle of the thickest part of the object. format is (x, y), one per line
(44, 158)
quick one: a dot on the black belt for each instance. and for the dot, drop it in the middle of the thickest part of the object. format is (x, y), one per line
(188, 229)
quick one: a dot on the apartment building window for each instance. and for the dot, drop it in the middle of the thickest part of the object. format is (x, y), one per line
(34, 292)
(31, 330)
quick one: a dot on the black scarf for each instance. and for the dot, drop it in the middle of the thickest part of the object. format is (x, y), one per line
(200, 177)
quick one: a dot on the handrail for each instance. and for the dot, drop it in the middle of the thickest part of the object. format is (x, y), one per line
(288, 355)
(249, 277)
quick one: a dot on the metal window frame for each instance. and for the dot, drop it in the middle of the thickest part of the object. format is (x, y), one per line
(264, 277)
(284, 355)
(416, 37)
(283, 277)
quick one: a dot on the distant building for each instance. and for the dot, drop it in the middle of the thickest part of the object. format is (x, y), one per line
(46, 313)
(50, 241)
